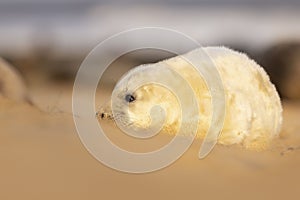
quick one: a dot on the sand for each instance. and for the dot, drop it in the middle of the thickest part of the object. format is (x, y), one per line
(41, 157)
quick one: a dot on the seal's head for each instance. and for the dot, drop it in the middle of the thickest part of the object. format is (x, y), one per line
(134, 98)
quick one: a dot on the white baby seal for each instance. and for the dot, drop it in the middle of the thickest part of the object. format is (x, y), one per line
(253, 109)
(12, 85)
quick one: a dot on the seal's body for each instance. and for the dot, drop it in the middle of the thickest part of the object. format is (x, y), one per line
(253, 108)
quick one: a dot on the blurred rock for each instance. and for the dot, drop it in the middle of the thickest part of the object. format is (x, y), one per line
(282, 62)
(12, 85)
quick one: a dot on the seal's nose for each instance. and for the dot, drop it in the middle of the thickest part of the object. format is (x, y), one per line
(101, 115)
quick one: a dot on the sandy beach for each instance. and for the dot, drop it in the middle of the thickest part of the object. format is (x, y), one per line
(42, 157)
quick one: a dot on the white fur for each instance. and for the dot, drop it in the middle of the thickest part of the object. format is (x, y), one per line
(253, 108)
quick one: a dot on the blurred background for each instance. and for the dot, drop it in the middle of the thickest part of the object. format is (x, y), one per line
(41, 156)
(54, 36)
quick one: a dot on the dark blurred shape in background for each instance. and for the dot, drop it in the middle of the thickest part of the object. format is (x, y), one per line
(282, 62)
(52, 37)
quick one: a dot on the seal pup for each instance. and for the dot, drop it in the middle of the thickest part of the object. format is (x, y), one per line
(253, 109)
(12, 85)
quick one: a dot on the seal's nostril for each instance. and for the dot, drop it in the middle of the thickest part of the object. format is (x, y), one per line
(102, 115)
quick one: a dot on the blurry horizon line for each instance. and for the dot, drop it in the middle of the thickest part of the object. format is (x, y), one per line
(37, 3)
(72, 29)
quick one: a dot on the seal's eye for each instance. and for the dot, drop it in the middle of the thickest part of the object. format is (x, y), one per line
(129, 98)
